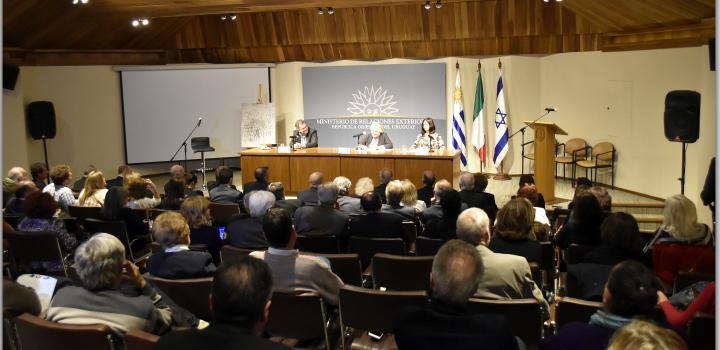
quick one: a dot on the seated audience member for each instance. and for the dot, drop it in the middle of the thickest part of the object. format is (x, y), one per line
(386, 175)
(101, 266)
(196, 211)
(529, 180)
(19, 299)
(480, 185)
(292, 271)
(513, 232)
(262, 174)
(79, 184)
(704, 302)
(115, 209)
(467, 192)
(506, 276)
(435, 212)
(630, 292)
(680, 225)
(425, 193)
(364, 185)
(374, 223)
(410, 197)
(61, 177)
(177, 173)
(143, 193)
(394, 194)
(310, 196)
(277, 189)
(245, 231)
(348, 204)
(583, 226)
(446, 323)
(213, 183)
(583, 185)
(444, 227)
(93, 194)
(191, 181)
(644, 335)
(119, 181)
(15, 206)
(323, 219)
(240, 303)
(39, 210)
(603, 197)
(15, 175)
(174, 195)
(620, 240)
(40, 174)
(223, 192)
(707, 195)
(530, 193)
(177, 261)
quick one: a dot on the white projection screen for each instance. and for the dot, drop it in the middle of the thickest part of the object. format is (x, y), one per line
(161, 106)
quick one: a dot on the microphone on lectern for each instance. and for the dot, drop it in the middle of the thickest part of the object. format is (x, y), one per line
(551, 109)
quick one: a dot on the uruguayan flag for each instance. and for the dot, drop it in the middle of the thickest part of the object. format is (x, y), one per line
(501, 132)
(458, 131)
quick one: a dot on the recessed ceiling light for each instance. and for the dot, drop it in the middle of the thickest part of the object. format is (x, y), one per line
(144, 21)
(223, 17)
(233, 17)
(75, 2)
(330, 10)
(427, 5)
(320, 11)
(135, 23)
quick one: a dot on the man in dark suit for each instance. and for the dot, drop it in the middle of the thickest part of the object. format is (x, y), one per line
(177, 173)
(394, 198)
(375, 223)
(435, 212)
(386, 175)
(446, 323)
(476, 199)
(223, 193)
(304, 136)
(480, 184)
(40, 174)
(324, 219)
(240, 298)
(426, 192)
(122, 171)
(377, 139)
(246, 231)
(310, 196)
(261, 180)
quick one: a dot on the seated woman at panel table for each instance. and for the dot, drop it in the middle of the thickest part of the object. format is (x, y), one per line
(428, 136)
(377, 140)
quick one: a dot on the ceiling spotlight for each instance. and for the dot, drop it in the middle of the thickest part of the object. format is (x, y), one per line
(223, 17)
(135, 23)
(427, 5)
(330, 10)
(320, 11)
(233, 17)
(75, 2)
(145, 21)
(438, 4)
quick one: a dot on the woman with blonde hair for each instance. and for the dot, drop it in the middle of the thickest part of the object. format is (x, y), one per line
(196, 211)
(680, 224)
(410, 197)
(643, 335)
(363, 185)
(177, 261)
(93, 194)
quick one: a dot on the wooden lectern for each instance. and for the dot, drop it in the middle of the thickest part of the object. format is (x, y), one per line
(545, 157)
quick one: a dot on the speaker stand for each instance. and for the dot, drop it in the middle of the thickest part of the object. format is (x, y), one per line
(47, 164)
(682, 174)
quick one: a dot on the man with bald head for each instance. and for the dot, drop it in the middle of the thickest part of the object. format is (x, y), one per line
(425, 193)
(435, 212)
(386, 175)
(15, 175)
(475, 199)
(177, 173)
(310, 196)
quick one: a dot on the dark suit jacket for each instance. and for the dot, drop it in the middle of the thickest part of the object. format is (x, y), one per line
(255, 186)
(383, 140)
(377, 225)
(181, 265)
(435, 212)
(425, 194)
(133, 223)
(529, 249)
(482, 200)
(116, 182)
(312, 138)
(217, 336)
(244, 231)
(380, 190)
(209, 236)
(225, 194)
(441, 326)
(309, 196)
(442, 228)
(290, 205)
(321, 220)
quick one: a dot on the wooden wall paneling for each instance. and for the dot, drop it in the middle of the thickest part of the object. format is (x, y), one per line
(279, 168)
(412, 169)
(354, 168)
(301, 168)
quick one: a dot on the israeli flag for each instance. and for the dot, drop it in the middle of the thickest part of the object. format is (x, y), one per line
(501, 131)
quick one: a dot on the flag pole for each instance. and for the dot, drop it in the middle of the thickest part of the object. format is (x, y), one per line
(482, 161)
(502, 176)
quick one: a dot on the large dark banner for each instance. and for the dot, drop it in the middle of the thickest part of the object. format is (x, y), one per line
(343, 101)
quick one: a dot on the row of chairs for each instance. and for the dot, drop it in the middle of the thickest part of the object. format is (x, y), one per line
(577, 153)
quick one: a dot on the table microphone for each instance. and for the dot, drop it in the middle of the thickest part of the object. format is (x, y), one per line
(360, 134)
(551, 109)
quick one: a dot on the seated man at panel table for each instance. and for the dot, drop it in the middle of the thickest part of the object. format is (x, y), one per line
(446, 323)
(310, 196)
(245, 231)
(240, 302)
(223, 193)
(261, 180)
(304, 136)
(376, 223)
(292, 271)
(324, 219)
(506, 276)
(435, 212)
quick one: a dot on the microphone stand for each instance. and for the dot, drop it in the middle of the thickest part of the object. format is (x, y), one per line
(292, 143)
(522, 140)
(184, 145)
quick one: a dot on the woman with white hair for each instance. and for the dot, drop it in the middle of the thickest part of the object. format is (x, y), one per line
(680, 224)
(348, 204)
(101, 266)
(177, 261)
(378, 139)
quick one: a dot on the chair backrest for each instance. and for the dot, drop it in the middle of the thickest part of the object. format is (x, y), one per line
(192, 294)
(547, 261)
(82, 213)
(228, 252)
(573, 145)
(368, 247)
(396, 272)
(36, 333)
(428, 246)
(701, 331)
(669, 259)
(12, 220)
(601, 151)
(575, 253)
(536, 274)
(199, 143)
(570, 310)
(139, 340)
(524, 316)
(318, 244)
(221, 213)
(370, 309)
(26, 247)
(345, 266)
(115, 228)
(684, 279)
(288, 308)
(410, 230)
(10, 337)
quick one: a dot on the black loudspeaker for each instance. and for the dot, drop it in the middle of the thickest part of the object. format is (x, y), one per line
(41, 119)
(682, 116)
(711, 50)
(10, 75)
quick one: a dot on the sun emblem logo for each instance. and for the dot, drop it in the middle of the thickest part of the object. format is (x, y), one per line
(371, 101)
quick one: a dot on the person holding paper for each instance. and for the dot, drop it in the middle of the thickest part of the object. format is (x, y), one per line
(428, 136)
(304, 136)
(378, 139)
